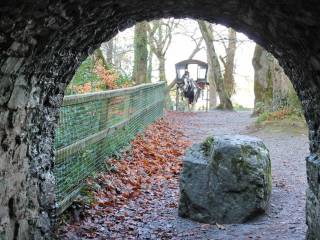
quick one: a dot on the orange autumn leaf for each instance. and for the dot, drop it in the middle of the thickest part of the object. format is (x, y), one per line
(108, 77)
(153, 158)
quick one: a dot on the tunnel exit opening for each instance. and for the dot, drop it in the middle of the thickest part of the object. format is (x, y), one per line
(43, 44)
(124, 107)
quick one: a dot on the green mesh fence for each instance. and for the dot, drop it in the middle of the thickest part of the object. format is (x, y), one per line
(94, 126)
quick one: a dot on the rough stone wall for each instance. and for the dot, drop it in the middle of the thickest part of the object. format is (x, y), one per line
(42, 43)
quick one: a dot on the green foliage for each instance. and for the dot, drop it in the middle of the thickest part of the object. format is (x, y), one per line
(206, 145)
(86, 194)
(290, 100)
(239, 107)
(288, 107)
(294, 102)
(261, 108)
(283, 107)
(124, 80)
(262, 117)
(289, 113)
(84, 74)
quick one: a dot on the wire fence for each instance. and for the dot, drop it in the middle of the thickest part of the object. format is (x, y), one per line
(93, 127)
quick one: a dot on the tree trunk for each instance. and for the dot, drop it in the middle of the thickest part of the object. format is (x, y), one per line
(212, 88)
(98, 56)
(140, 66)
(196, 49)
(149, 73)
(207, 34)
(109, 58)
(162, 68)
(263, 80)
(282, 88)
(160, 36)
(229, 63)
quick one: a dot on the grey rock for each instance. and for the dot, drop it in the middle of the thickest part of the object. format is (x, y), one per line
(5, 89)
(12, 65)
(227, 179)
(20, 94)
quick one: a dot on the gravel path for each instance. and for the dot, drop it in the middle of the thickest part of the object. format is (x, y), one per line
(155, 216)
(285, 218)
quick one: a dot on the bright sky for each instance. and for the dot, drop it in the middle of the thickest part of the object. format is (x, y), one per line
(182, 46)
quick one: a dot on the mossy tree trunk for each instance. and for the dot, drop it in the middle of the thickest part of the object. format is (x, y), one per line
(140, 67)
(109, 57)
(162, 69)
(150, 66)
(213, 62)
(98, 57)
(272, 87)
(263, 79)
(283, 92)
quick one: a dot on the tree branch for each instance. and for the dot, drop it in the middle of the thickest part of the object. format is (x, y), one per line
(197, 49)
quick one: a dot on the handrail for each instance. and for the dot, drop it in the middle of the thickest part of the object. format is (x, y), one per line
(87, 97)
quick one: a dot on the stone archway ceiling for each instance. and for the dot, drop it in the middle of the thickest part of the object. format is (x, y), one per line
(43, 42)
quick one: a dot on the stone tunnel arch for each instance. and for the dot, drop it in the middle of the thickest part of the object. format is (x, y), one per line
(42, 44)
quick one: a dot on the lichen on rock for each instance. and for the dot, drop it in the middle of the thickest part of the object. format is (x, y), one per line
(228, 181)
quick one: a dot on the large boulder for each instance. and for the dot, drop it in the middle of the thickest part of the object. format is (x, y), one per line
(226, 179)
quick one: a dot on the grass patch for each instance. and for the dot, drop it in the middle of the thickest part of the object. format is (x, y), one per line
(282, 119)
(239, 107)
(281, 114)
(206, 145)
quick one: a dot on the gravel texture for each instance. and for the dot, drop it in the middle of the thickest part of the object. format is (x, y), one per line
(155, 215)
(285, 218)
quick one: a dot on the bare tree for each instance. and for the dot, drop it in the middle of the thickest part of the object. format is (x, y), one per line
(198, 47)
(192, 32)
(160, 33)
(123, 51)
(214, 65)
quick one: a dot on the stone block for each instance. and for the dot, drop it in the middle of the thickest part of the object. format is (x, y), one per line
(227, 179)
(312, 216)
(313, 173)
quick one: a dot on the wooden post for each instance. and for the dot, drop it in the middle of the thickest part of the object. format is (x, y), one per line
(177, 98)
(207, 99)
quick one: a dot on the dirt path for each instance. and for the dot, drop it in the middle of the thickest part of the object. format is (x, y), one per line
(288, 149)
(157, 217)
